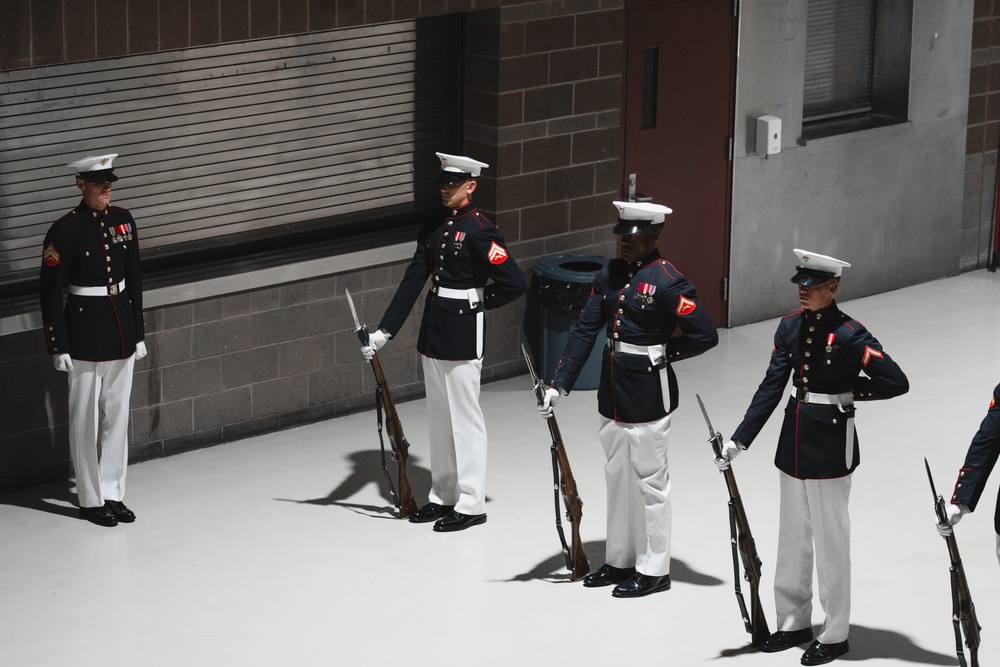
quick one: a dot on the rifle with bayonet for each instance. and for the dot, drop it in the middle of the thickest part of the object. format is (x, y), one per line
(564, 482)
(743, 545)
(963, 612)
(397, 441)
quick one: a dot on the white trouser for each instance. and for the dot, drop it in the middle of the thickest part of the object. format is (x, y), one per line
(998, 547)
(99, 394)
(638, 495)
(457, 432)
(814, 512)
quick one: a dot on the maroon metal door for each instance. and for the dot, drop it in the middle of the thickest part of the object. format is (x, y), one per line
(679, 90)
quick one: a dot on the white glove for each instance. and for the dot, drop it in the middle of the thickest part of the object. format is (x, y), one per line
(63, 362)
(953, 514)
(548, 402)
(140, 350)
(376, 340)
(730, 450)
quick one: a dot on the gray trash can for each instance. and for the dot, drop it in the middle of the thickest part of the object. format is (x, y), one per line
(561, 286)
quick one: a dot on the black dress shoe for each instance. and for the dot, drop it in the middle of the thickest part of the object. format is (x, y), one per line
(122, 513)
(780, 641)
(457, 521)
(607, 575)
(640, 584)
(102, 516)
(430, 512)
(820, 654)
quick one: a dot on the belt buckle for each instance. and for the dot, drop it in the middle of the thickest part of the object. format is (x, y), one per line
(113, 289)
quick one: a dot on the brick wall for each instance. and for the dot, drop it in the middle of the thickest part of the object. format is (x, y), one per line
(542, 108)
(982, 138)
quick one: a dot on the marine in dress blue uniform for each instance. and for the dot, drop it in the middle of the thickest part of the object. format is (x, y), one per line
(834, 362)
(471, 272)
(93, 253)
(979, 462)
(639, 301)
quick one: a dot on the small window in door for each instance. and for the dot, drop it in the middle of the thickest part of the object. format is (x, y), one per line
(650, 56)
(856, 65)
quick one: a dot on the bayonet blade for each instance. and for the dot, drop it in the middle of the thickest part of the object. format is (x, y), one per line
(531, 369)
(708, 422)
(354, 312)
(930, 478)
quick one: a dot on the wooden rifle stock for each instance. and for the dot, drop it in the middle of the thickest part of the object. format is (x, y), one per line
(744, 547)
(963, 610)
(397, 441)
(563, 484)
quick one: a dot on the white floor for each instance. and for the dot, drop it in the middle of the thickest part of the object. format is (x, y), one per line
(283, 549)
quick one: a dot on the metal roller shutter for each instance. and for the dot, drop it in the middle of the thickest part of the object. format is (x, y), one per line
(235, 141)
(839, 63)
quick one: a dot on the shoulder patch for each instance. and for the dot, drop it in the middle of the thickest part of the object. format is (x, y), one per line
(870, 353)
(685, 306)
(50, 256)
(497, 254)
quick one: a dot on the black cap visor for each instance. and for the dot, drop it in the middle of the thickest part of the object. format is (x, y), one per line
(809, 277)
(629, 227)
(98, 176)
(452, 177)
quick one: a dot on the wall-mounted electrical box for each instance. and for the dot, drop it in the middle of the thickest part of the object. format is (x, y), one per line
(768, 135)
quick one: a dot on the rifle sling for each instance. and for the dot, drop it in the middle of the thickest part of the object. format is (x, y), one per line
(955, 613)
(556, 493)
(381, 443)
(736, 567)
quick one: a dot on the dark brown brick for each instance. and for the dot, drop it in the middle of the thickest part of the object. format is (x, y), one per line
(509, 159)
(979, 80)
(15, 35)
(595, 146)
(597, 95)
(175, 29)
(520, 191)
(549, 34)
(573, 65)
(991, 136)
(608, 178)
(404, 9)
(593, 212)
(482, 72)
(112, 28)
(546, 220)
(511, 40)
(983, 9)
(548, 102)
(234, 19)
(510, 109)
(482, 38)
(244, 368)
(205, 23)
(193, 379)
(992, 108)
(974, 139)
(46, 32)
(600, 27)
(547, 153)
(162, 421)
(378, 11)
(263, 18)
(143, 26)
(223, 408)
(981, 34)
(293, 17)
(322, 14)
(610, 60)
(280, 395)
(569, 183)
(523, 72)
(78, 29)
(350, 13)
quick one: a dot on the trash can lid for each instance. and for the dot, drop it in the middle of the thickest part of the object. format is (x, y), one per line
(570, 268)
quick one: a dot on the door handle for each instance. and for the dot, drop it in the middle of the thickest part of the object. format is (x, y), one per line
(632, 195)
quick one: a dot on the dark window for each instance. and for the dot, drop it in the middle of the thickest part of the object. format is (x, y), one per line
(237, 148)
(856, 65)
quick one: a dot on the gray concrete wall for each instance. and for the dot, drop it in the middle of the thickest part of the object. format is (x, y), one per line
(888, 200)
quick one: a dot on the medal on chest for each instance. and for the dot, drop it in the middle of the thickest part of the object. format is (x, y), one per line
(120, 233)
(459, 239)
(644, 294)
